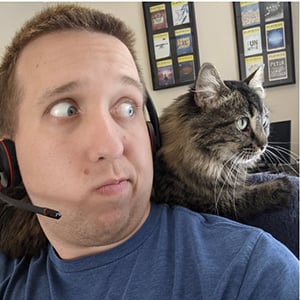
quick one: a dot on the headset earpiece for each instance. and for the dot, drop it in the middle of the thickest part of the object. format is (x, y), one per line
(153, 124)
(152, 136)
(9, 170)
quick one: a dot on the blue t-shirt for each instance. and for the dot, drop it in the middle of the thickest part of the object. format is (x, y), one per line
(177, 254)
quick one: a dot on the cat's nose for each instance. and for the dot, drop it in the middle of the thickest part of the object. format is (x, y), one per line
(261, 147)
(261, 142)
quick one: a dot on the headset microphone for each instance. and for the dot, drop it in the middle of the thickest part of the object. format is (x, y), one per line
(47, 212)
(11, 177)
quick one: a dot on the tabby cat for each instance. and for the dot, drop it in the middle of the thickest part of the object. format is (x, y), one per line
(210, 138)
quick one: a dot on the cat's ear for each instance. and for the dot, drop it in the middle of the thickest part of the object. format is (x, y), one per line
(209, 87)
(255, 81)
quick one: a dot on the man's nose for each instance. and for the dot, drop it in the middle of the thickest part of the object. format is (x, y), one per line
(105, 138)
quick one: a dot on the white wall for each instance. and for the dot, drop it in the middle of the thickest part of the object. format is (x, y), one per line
(217, 44)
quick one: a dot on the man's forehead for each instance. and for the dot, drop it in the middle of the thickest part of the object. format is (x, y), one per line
(70, 47)
(48, 42)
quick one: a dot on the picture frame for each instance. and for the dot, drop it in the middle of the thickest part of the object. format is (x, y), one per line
(264, 36)
(172, 43)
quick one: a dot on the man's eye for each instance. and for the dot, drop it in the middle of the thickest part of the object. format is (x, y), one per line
(127, 110)
(63, 109)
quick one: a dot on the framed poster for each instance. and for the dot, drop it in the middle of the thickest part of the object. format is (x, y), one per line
(172, 43)
(264, 36)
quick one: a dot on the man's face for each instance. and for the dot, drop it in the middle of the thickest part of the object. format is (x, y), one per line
(82, 142)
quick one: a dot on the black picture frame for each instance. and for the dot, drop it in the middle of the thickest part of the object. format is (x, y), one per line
(172, 43)
(264, 36)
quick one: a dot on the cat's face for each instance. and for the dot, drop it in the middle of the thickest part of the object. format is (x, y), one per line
(234, 121)
(238, 129)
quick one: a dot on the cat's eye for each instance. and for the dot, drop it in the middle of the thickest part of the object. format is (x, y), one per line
(63, 110)
(242, 123)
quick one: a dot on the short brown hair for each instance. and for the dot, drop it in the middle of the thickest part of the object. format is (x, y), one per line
(55, 18)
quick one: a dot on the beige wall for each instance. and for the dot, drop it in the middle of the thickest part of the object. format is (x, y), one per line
(217, 44)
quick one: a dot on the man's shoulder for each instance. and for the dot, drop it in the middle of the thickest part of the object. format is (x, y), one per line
(215, 232)
(208, 222)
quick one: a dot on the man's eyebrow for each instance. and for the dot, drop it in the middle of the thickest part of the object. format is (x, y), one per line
(131, 81)
(72, 85)
(56, 91)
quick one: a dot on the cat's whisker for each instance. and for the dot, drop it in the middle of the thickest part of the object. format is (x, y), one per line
(251, 156)
(240, 180)
(280, 154)
(230, 176)
(223, 166)
(272, 157)
(234, 195)
(279, 149)
(276, 162)
(216, 193)
(283, 143)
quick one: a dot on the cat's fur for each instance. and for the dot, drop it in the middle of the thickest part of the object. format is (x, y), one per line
(20, 231)
(206, 151)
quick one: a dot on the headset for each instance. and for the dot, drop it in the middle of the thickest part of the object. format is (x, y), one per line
(10, 175)
(153, 124)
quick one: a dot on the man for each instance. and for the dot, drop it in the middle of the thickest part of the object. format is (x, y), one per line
(72, 100)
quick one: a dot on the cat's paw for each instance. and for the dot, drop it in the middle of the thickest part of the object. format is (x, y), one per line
(284, 191)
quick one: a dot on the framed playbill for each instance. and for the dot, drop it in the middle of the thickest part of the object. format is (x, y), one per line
(264, 36)
(172, 43)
